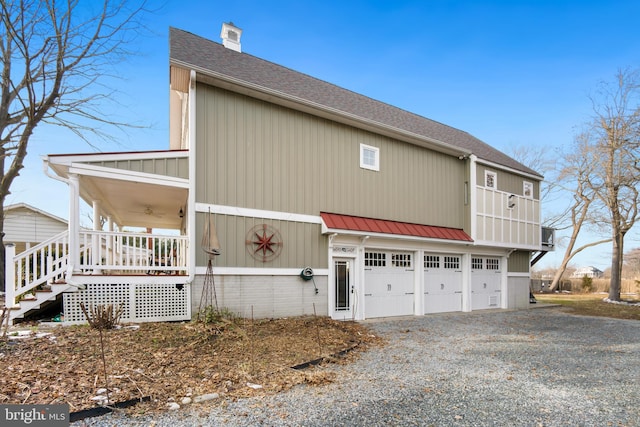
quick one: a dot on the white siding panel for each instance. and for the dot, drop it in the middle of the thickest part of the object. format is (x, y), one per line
(518, 292)
(518, 226)
(24, 225)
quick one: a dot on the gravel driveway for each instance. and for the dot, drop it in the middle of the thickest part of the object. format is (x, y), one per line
(538, 367)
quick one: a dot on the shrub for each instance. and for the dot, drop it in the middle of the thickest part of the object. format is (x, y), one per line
(587, 283)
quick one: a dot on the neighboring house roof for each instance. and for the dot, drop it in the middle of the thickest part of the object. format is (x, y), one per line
(586, 270)
(370, 225)
(34, 209)
(252, 73)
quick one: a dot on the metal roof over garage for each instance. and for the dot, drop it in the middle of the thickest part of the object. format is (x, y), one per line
(372, 225)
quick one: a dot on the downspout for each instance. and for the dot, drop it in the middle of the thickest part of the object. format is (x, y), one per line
(467, 293)
(191, 202)
(473, 205)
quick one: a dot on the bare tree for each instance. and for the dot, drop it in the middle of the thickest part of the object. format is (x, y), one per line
(565, 177)
(573, 178)
(632, 263)
(613, 155)
(55, 55)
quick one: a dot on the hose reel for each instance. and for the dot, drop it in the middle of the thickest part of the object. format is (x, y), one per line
(307, 274)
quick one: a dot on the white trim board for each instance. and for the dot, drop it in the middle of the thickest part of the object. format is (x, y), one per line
(240, 271)
(257, 213)
(125, 175)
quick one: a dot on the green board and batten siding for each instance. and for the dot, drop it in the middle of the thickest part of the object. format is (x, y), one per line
(303, 243)
(519, 262)
(287, 161)
(177, 167)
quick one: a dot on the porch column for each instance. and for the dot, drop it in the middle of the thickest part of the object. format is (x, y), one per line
(74, 223)
(10, 276)
(96, 244)
(110, 255)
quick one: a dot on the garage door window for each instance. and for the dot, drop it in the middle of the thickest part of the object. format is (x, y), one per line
(476, 263)
(493, 264)
(452, 262)
(375, 259)
(401, 260)
(431, 261)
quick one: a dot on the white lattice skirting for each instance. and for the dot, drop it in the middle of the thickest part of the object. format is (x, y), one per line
(144, 302)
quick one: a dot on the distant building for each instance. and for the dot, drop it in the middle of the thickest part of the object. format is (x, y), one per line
(26, 226)
(590, 271)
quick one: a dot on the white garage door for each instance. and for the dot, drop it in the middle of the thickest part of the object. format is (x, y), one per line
(388, 284)
(486, 278)
(442, 283)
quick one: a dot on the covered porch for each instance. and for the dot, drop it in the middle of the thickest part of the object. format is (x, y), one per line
(135, 243)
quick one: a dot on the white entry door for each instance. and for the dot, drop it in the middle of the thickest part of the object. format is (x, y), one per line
(388, 284)
(442, 283)
(486, 282)
(343, 288)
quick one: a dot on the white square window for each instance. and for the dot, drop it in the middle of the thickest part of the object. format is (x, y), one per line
(490, 179)
(527, 190)
(369, 157)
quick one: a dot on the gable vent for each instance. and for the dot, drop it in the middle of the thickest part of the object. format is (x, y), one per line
(230, 35)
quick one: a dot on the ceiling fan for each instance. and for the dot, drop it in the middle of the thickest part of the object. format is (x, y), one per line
(148, 210)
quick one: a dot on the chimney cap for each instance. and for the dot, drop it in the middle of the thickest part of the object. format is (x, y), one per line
(230, 35)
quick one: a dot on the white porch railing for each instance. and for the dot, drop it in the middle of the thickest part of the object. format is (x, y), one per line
(35, 266)
(101, 252)
(104, 252)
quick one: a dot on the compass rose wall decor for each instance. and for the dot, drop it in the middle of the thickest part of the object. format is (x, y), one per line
(263, 242)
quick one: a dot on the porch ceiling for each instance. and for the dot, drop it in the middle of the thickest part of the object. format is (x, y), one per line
(136, 204)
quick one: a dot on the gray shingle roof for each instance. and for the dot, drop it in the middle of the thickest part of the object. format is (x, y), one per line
(203, 54)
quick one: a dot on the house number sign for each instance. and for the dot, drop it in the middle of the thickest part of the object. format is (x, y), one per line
(344, 250)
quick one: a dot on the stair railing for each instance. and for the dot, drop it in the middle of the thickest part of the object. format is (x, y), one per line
(35, 266)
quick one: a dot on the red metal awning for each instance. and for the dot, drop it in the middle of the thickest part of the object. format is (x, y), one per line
(383, 226)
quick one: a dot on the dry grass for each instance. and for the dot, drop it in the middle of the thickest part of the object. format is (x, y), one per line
(169, 361)
(593, 305)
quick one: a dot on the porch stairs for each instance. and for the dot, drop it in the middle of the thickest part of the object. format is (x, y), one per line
(41, 299)
(36, 277)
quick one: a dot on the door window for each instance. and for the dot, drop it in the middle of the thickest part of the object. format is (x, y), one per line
(342, 285)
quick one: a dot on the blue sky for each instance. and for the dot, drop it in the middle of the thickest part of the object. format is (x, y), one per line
(512, 73)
